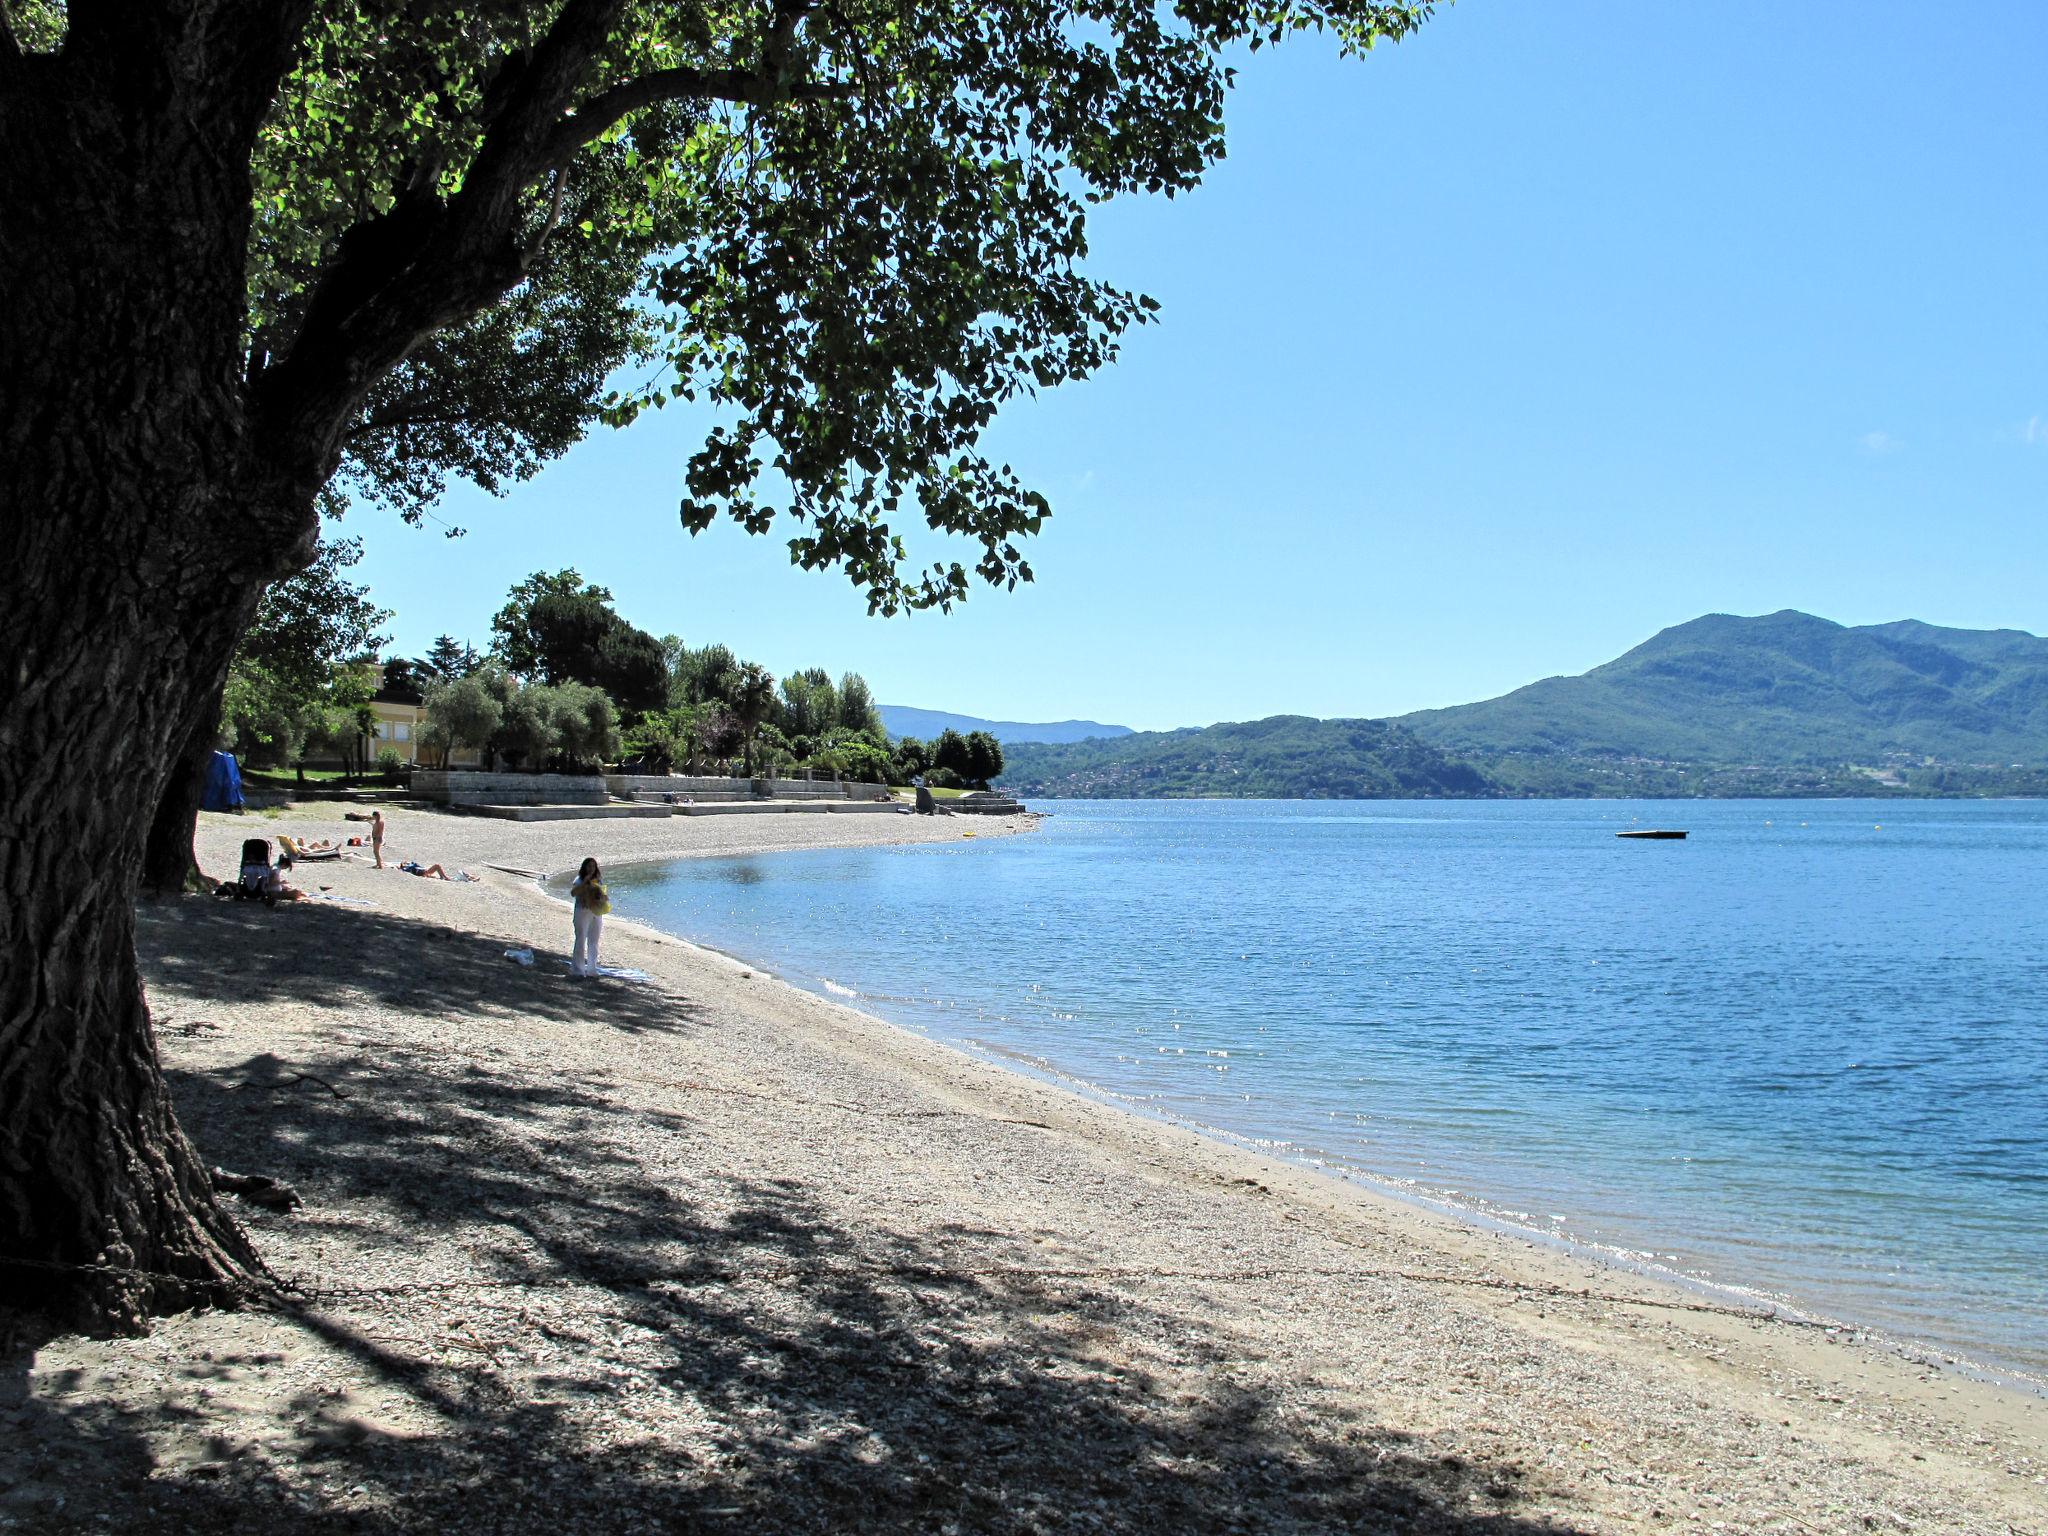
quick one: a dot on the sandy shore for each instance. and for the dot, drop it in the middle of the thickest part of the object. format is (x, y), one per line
(708, 1252)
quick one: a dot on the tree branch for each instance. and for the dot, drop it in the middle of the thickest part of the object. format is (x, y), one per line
(597, 115)
(426, 265)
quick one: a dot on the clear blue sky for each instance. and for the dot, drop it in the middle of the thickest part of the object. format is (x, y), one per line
(1482, 359)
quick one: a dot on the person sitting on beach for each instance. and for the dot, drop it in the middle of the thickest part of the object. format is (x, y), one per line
(592, 902)
(277, 888)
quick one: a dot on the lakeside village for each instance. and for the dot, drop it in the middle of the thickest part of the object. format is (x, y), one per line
(571, 712)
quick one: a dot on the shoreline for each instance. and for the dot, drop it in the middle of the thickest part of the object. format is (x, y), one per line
(932, 1289)
(1740, 1298)
(1736, 1300)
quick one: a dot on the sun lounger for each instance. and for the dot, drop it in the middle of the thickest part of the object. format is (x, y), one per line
(300, 855)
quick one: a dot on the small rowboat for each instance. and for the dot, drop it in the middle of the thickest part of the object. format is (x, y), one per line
(1659, 833)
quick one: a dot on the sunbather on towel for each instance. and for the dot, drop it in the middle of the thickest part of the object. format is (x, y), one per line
(435, 872)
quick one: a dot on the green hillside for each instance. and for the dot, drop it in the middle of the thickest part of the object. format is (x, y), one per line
(1285, 757)
(1786, 689)
(1786, 704)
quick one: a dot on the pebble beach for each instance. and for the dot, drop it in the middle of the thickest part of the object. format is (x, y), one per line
(688, 1248)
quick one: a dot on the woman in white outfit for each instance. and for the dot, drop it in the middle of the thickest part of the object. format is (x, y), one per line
(592, 902)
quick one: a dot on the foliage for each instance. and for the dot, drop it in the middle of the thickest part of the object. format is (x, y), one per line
(857, 709)
(1285, 757)
(403, 679)
(723, 733)
(862, 232)
(752, 703)
(527, 732)
(855, 756)
(291, 680)
(704, 676)
(557, 629)
(912, 759)
(464, 712)
(810, 703)
(448, 658)
(515, 644)
(631, 668)
(984, 759)
(586, 724)
(949, 751)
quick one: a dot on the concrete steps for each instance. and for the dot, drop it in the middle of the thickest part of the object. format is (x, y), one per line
(781, 808)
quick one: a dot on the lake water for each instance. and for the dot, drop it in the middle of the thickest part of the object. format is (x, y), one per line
(1803, 1054)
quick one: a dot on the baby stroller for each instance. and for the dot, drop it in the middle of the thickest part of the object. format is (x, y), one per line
(255, 883)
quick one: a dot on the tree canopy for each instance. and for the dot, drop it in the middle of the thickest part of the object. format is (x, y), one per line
(856, 230)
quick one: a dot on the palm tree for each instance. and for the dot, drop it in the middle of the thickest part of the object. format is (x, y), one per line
(753, 700)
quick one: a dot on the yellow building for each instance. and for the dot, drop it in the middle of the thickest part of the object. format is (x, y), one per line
(401, 721)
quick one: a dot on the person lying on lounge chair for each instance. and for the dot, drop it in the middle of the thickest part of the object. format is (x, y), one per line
(296, 850)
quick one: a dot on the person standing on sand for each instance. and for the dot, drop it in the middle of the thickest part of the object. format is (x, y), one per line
(592, 902)
(377, 836)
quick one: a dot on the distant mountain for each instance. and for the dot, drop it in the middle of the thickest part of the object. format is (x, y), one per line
(902, 720)
(1785, 704)
(1285, 757)
(1784, 689)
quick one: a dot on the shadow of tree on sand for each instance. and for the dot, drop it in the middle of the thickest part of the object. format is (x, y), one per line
(333, 956)
(643, 1342)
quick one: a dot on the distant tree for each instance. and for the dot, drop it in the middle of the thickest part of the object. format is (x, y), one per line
(857, 710)
(984, 759)
(450, 658)
(462, 712)
(753, 703)
(435, 742)
(949, 751)
(403, 679)
(344, 720)
(810, 704)
(513, 639)
(723, 735)
(282, 676)
(664, 739)
(586, 724)
(527, 733)
(855, 756)
(913, 758)
(632, 669)
(562, 633)
(703, 676)
(567, 636)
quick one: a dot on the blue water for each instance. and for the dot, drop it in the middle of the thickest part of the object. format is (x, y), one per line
(1803, 1054)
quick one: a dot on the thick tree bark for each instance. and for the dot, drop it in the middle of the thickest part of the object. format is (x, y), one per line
(170, 860)
(137, 528)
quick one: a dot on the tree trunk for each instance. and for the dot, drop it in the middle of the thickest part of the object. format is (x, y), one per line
(137, 528)
(170, 860)
(93, 1167)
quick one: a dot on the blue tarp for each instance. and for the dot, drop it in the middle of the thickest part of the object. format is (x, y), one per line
(223, 784)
